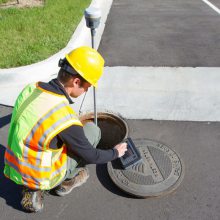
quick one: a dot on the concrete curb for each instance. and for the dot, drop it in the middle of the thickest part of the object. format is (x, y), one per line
(13, 80)
(159, 93)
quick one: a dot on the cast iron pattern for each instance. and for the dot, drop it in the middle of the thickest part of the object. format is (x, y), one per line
(160, 171)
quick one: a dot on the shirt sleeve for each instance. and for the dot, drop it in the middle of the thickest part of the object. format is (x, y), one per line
(76, 142)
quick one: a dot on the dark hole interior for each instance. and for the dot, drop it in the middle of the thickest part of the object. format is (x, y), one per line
(113, 132)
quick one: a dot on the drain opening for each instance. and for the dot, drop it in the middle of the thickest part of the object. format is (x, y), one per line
(113, 129)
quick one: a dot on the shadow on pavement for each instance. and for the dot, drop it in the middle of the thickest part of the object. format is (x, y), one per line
(9, 191)
(103, 176)
(5, 120)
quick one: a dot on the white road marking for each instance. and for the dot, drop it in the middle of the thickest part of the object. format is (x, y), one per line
(212, 6)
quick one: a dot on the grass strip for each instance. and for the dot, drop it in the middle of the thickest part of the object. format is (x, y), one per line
(4, 1)
(29, 35)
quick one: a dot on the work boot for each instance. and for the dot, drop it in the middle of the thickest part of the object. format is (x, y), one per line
(32, 200)
(68, 185)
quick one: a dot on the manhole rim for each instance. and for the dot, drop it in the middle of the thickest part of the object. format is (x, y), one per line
(111, 115)
(157, 194)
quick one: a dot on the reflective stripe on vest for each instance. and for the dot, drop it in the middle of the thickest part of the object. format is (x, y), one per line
(28, 159)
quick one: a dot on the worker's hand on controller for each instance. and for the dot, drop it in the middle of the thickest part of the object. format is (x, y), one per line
(121, 148)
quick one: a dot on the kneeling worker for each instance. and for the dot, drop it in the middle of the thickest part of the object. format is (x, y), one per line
(48, 146)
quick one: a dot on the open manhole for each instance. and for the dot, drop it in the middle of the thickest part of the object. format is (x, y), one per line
(160, 171)
(113, 128)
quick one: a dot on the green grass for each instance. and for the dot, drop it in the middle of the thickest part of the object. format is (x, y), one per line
(4, 1)
(30, 35)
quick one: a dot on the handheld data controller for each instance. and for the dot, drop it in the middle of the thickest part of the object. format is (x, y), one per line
(132, 155)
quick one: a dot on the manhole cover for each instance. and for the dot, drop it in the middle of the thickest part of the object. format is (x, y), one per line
(159, 173)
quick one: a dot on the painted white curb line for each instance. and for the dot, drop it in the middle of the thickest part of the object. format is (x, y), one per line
(13, 80)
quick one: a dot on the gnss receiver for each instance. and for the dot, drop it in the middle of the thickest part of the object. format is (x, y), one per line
(132, 155)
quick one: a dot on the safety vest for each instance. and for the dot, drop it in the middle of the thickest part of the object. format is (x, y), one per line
(38, 116)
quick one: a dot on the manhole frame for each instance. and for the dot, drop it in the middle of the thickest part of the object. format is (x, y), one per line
(103, 115)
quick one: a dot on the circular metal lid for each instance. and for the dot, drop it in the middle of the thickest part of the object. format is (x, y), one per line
(160, 171)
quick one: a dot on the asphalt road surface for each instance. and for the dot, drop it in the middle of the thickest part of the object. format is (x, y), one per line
(173, 33)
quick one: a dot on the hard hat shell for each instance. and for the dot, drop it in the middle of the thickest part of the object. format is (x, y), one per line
(87, 62)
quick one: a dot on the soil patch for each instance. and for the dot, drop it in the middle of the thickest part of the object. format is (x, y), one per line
(22, 3)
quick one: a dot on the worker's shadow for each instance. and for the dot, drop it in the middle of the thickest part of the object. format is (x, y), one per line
(104, 178)
(5, 120)
(9, 191)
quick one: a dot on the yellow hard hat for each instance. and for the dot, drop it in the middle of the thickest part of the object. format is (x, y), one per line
(87, 62)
